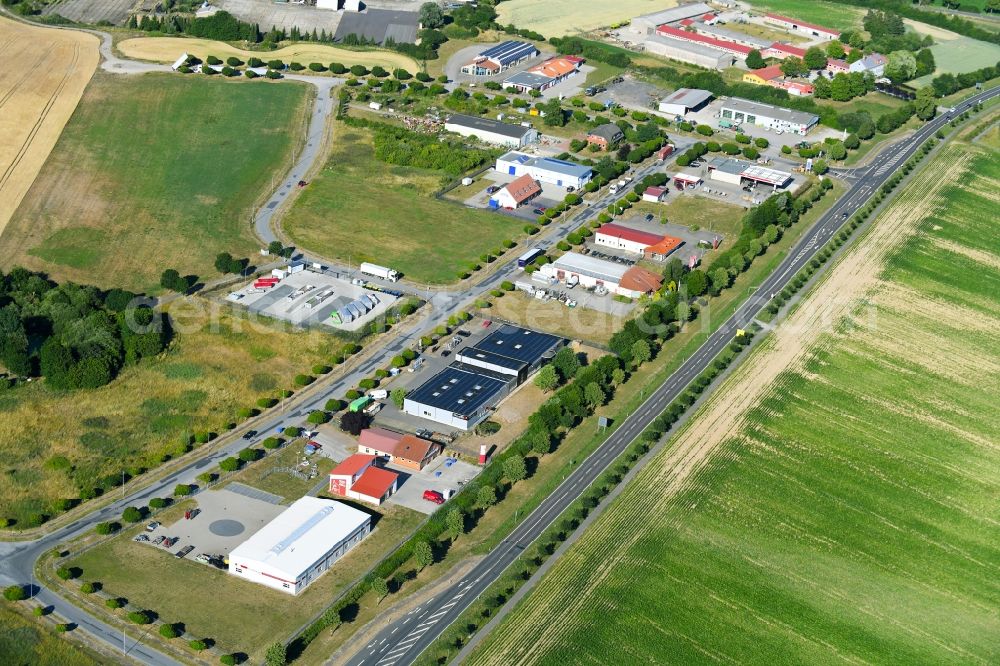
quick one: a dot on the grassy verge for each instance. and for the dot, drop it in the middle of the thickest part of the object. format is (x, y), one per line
(152, 172)
(24, 641)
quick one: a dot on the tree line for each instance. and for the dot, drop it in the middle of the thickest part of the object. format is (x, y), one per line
(75, 336)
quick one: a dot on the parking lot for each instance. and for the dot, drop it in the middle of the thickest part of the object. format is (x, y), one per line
(443, 473)
(225, 520)
(311, 297)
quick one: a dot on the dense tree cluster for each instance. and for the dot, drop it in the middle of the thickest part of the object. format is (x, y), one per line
(75, 336)
(397, 145)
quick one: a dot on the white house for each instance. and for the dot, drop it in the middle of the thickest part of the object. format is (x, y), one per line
(519, 191)
(300, 544)
(491, 131)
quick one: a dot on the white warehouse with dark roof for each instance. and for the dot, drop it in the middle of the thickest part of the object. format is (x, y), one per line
(300, 544)
(560, 173)
(767, 115)
(491, 131)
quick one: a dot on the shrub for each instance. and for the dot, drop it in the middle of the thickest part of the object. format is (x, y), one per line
(88, 588)
(113, 603)
(104, 528)
(304, 380)
(182, 490)
(230, 464)
(15, 593)
(158, 503)
(131, 514)
(168, 631)
(368, 383)
(318, 417)
(228, 659)
(139, 617)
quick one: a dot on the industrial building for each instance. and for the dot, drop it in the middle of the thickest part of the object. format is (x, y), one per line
(738, 50)
(500, 58)
(404, 450)
(767, 115)
(560, 173)
(300, 544)
(689, 52)
(680, 102)
(809, 29)
(735, 172)
(590, 272)
(781, 51)
(544, 75)
(491, 131)
(649, 245)
(465, 393)
(358, 478)
(725, 35)
(646, 24)
(519, 191)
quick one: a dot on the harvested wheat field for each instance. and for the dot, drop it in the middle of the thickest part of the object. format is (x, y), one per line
(168, 49)
(556, 18)
(43, 76)
(835, 500)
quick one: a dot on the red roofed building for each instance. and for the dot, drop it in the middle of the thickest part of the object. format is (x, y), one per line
(638, 281)
(662, 250)
(687, 22)
(650, 245)
(709, 19)
(837, 66)
(774, 77)
(378, 441)
(782, 51)
(810, 29)
(357, 477)
(517, 192)
(407, 450)
(654, 194)
(683, 35)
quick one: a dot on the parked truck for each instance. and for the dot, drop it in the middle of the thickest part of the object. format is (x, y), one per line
(379, 394)
(381, 272)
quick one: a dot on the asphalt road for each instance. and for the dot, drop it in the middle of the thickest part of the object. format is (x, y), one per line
(401, 642)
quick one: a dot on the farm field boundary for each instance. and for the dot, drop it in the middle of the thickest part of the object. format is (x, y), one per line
(602, 575)
(557, 18)
(42, 80)
(168, 49)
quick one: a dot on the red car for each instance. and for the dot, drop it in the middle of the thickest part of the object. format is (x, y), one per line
(486, 323)
(434, 496)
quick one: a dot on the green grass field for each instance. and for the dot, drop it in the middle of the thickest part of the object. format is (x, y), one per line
(850, 517)
(215, 366)
(152, 172)
(24, 641)
(828, 14)
(237, 614)
(956, 56)
(556, 18)
(874, 103)
(361, 209)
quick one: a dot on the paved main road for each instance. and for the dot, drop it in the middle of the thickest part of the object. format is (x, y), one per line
(402, 641)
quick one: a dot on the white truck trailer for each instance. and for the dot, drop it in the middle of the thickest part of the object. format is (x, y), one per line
(381, 272)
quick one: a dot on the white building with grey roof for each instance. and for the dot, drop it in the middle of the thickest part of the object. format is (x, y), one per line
(769, 116)
(491, 131)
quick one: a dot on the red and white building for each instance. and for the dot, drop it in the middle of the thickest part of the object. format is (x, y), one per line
(738, 50)
(516, 193)
(795, 25)
(654, 194)
(357, 477)
(782, 51)
(650, 245)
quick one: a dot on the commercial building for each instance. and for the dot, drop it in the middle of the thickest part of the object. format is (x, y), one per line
(689, 52)
(710, 30)
(358, 478)
(465, 393)
(767, 115)
(655, 194)
(491, 131)
(781, 51)
(773, 76)
(646, 24)
(545, 75)
(560, 173)
(590, 272)
(738, 50)
(519, 191)
(810, 29)
(680, 102)
(524, 82)
(606, 136)
(649, 245)
(500, 58)
(300, 544)
(404, 450)
(735, 172)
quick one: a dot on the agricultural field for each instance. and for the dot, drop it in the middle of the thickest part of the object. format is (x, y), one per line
(359, 208)
(23, 641)
(828, 14)
(557, 18)
(44, 75)
(152, 172)
(834, 500)
(216, 364)
(214, 604)
(168, 49)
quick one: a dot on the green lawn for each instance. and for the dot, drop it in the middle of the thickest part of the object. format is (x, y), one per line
(874, 103)
(850, 518)
(155, 171)
(361, 209)
(692, 210)
(24, 641)
(237, 614)
(265, 475)
(960, 55)
(827, 14)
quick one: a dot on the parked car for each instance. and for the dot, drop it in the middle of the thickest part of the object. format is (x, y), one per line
(302, 183)
(649, 217)
(152, 526)
(169, 543)
(249, 434)
(539, 211)
(434, 496)
(491, 189)
(158, 540)
(184, 551)
(486, 323)
(203, 558)
(141, 537)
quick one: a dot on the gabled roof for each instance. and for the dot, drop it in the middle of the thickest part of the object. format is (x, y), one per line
(555, 67)
(667, 245)
(413, 448)
(487, 125)
(379, 439)
(608, 131)
(523, 188)
(351, 465)
(655, 191)
(789, 49)
(639, 279)
(625, 233)
(836, 63)
(684, 35)
(768, 73)
(509, 51)
(375, 482)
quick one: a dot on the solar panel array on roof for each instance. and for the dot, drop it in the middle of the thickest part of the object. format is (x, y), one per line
(519, 343)
(459, 389)
(509, 52)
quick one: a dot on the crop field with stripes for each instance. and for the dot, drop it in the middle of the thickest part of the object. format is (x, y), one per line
(835, 501)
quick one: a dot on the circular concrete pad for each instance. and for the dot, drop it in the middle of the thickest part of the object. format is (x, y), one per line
(226, 528)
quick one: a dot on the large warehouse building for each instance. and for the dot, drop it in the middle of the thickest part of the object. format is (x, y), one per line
(689, 52)
(647, 23)
(767, 115)
(560, 173)
(300, 544)
(491, 131)
(630, 281)
(465, 393)
(679, 102)
(499, 58)
(735, 172)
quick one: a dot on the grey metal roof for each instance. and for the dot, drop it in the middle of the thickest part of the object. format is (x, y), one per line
(509, 51)
(687, 47)
(728, 164)
(528, 79)
(562, 166)
(574, 262)
(460, 389)
(770, 111)
(688, 97)
(677, 13)
(489, 125)
(521, 344)
(733, 36)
